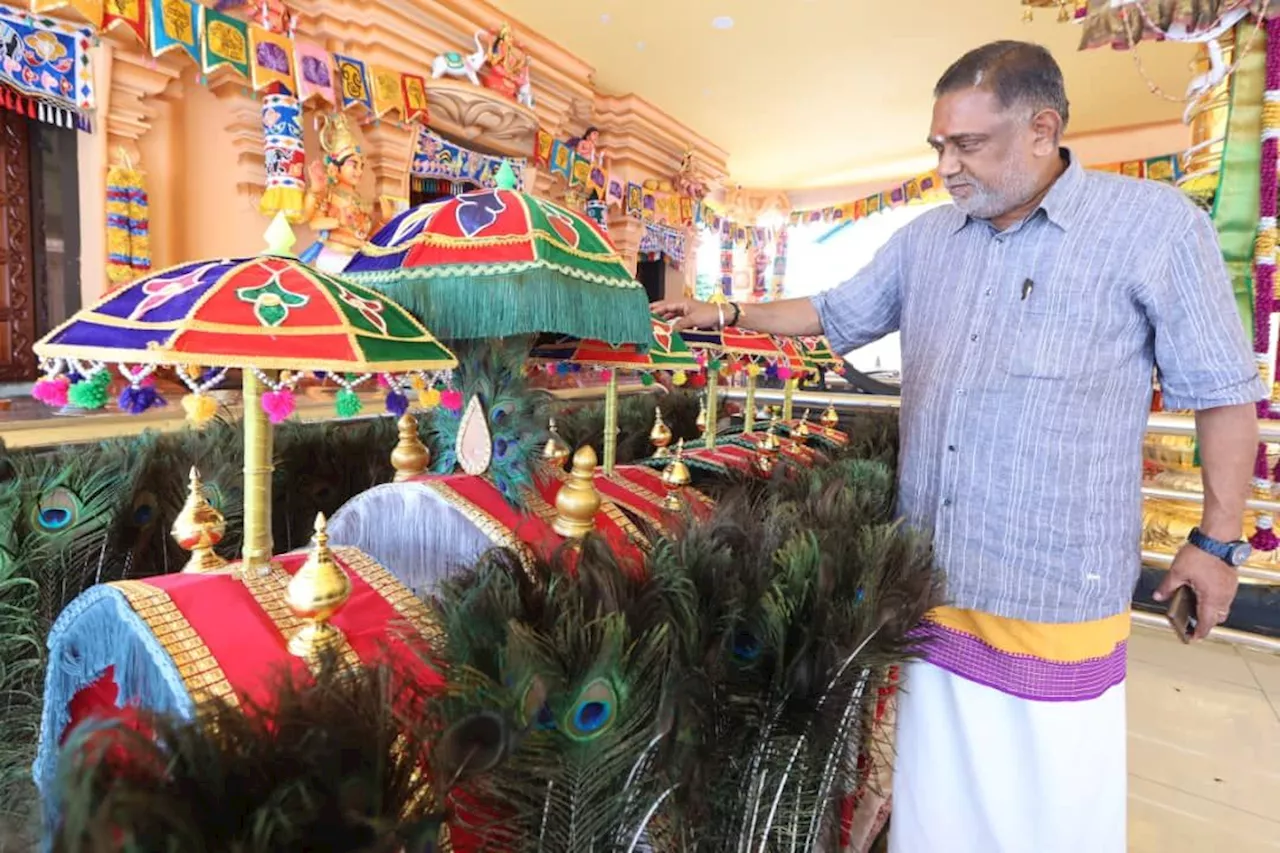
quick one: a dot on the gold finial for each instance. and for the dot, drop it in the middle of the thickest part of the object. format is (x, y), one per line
(410, 457)
(315, 593)
(577, 502)
(674, 477)
(801, 430)
(556, 450)
(660, 435)
(770, 440)
(198, 528)
(829, 417)
(701, 422)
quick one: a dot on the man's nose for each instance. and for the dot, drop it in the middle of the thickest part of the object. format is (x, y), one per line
(948, 163)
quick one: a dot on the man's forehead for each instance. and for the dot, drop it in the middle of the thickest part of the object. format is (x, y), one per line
(967, 112)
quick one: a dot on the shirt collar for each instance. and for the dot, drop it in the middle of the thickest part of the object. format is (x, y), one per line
(1061, 202)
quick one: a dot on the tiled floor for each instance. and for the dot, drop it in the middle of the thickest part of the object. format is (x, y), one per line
(1204, 747)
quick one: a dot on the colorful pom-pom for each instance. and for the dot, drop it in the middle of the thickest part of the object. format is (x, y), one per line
(347, 403)
(417, 383)
(562, 369)
(137, 399)
(699, 380)
(1264, 538)
(451, 400)
(200, 408)
(646, 379)
(383, 382)
(429, 398)
(90, 393)
(784, 371)
(52, 392)
(753, 370)
(397, 403)
(279, 405)
(771, 372)
(679, 378)
(606, 375)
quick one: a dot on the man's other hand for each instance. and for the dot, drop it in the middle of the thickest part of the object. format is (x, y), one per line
(689, 313)
(1213, 581)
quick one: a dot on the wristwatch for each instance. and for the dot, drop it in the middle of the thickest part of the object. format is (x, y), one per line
(1233, 554)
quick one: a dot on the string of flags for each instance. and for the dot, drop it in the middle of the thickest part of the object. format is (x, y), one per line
(45, 68)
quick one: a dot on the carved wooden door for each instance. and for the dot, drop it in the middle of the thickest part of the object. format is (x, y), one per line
(17, 283)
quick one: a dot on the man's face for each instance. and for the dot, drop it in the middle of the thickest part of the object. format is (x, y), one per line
(986, 155)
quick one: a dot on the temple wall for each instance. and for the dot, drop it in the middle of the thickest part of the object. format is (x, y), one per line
(200, 142)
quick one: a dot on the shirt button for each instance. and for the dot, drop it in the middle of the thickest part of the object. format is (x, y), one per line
(946, 502)
(951, 447)
(973, 337)
(959, 392)
(986, 292)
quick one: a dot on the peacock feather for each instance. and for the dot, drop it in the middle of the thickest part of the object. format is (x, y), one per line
(336, 763)
(494, 373)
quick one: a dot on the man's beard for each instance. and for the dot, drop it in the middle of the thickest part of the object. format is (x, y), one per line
(987, 201)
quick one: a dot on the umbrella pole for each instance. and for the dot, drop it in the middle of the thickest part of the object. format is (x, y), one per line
(713, 415)
(611, 422)
(789, 388)
(749, 416)
(258, 467)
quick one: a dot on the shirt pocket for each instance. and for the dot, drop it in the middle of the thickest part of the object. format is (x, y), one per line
(1052, 333)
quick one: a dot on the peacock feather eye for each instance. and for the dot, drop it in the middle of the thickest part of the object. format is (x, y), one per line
(213, 494)
(594, 711)
(56, 510)
(746, 646)
(144, 510)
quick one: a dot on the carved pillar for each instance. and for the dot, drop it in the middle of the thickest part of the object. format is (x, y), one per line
(136, 80)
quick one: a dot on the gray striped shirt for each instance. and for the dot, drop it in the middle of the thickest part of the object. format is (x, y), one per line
(1027, 361)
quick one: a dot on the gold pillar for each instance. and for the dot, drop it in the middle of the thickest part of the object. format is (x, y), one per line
(258, 467)
(1209, 122)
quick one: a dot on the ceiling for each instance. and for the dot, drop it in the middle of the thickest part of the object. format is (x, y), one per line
(812, 93)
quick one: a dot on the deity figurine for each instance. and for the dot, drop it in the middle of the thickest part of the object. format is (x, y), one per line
(333, 206)
(588, 147)
(506, 63)
(687, 182)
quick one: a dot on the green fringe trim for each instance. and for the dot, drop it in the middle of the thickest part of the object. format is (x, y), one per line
(530, 302)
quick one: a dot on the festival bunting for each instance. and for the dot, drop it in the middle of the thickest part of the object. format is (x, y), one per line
(635, 201)
(47, 61)
(315, 73)
(91, 10)
(542, 145)
(414, 89)
(561, 159)
(353, 82)
(385, 92)
(271, 63)
(436, 158)
(126, 13)
(225, 44)
(175, 25)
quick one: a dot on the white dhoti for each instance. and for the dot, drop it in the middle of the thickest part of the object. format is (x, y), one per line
(979, 770)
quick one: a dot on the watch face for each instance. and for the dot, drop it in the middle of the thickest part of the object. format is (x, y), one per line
(1239, 553)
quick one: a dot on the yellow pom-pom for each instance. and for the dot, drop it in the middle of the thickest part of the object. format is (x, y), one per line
(417, 383)
(199, 408)
(753, 370)
(679, 377)
(428, 398)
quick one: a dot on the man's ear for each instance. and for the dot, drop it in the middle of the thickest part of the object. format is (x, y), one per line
(1046, 127)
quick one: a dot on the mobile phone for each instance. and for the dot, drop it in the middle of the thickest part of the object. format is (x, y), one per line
(1182, 613)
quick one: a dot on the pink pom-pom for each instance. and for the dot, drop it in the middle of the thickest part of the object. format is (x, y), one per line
(382, 381)
(606, 375)
(451, 400)
(278, 405)
(784, 372)
(52, 392)
(1264, 538)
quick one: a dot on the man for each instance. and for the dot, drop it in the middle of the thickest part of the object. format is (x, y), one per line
(1032, 311)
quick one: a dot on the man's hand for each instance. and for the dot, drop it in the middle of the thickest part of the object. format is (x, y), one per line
(689, 313)
(1213, 581)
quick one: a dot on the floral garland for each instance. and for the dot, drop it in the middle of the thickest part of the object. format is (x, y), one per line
(1264, 273)
(128, 225)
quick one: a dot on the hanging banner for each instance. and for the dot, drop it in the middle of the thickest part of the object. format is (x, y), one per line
(615, 190)
(225, 44)
(635, 200)
(581, 171)
(46, 60)
(414, 88)
(174, 25)
(272, 59)
(542, 142)
(353, 85)
(286, 159)
(315, 73)
(131, 14)
(91, 10)
(385, 92)
(438, 159)
(561, 159)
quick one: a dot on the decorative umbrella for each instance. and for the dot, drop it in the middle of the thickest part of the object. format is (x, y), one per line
(266, 313)
(666, 351)
(753, 347)
(497, 262)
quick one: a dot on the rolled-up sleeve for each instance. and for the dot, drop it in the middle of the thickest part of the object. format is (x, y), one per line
(1202, 352)
(868, 306)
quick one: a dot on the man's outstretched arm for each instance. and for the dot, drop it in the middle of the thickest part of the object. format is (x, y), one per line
(788, 317)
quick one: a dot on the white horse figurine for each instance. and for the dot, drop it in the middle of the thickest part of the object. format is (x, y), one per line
(453, 64)
(524, 93)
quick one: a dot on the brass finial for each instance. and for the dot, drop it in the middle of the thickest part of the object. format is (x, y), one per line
(198, 528)
(577, 502)
(829, 417)
(660, 435)
(556, 450)
(801, 430)
(674, 477)
(315, 593)
(770, 440)
(411, 457)
(701, 422)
